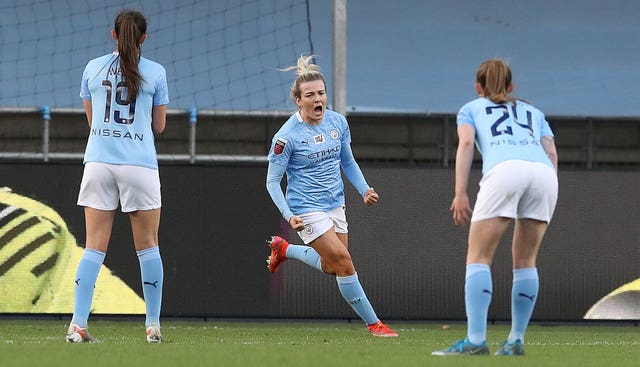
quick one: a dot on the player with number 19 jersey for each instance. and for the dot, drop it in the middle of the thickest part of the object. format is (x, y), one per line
(121, 132)
(506, 131)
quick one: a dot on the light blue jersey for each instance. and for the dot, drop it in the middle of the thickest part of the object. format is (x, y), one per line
(312, 155)
(506, 131)
(121, 133)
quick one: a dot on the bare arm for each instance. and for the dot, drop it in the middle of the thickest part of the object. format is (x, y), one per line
(549, 146)
(460, 206)
(87, 110)
(159, 118)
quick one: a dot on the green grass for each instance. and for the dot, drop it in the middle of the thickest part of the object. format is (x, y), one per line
(283, 344)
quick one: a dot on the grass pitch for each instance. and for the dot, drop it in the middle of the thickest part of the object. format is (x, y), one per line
(283, 344)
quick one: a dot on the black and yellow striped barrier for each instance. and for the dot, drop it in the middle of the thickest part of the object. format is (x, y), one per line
(38, 260)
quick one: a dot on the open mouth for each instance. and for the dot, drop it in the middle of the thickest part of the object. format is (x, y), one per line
(317, 109)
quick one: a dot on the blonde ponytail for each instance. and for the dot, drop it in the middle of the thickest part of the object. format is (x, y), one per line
(306, 71)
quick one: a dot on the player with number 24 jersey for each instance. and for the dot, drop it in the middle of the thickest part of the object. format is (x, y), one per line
(506, 131)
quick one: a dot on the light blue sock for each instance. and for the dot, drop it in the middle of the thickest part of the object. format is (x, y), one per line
(86, 275)
(353, 293)
(306, 254)
(524, 294)
(152, 277)
(478, 290)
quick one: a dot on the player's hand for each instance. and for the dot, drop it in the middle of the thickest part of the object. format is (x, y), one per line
(461, 210)
(296, 223)
(371, 197)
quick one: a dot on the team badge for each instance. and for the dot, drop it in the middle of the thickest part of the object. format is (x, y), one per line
(308, 230)
(334, 134)
(318, 139)
(278, 147)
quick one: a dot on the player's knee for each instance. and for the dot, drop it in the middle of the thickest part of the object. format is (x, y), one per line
(339, 263)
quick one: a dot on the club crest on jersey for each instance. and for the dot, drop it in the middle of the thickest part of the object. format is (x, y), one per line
(278, 147)
(334, 134)
(318, 139)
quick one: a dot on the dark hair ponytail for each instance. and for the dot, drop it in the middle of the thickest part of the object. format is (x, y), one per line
(130, 26)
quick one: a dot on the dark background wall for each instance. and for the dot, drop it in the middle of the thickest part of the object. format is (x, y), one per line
(408, 253)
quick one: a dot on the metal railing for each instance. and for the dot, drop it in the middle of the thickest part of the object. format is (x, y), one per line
(192, 115)
(586, 142)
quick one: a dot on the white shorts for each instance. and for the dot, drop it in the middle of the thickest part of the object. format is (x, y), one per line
(517, 189)
(135, 187)
(318, 223)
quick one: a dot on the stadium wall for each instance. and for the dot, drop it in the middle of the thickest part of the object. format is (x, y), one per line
(395, 138)
(408, 253)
